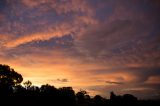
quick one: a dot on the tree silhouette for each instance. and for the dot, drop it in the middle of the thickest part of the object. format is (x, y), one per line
(8, 79)
(112, 95)
(67, 96)
(81, 95)
(27, 84)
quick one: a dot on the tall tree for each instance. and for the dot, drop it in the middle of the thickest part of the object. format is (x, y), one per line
(8, 78)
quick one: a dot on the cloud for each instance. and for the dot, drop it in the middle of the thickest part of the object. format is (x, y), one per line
(34, 37)
(61, 6)
(34, 3)
(153, 79)
(62, 80)
(44, 20)
(2, 17)
(113, 82)
(3, 3)
(105, 38)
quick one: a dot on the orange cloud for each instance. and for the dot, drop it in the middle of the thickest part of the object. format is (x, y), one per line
(33, 3)
(63, 6)
(57, 32)
(153, 80)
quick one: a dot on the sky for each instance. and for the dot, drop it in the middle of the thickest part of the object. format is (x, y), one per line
(95, 45)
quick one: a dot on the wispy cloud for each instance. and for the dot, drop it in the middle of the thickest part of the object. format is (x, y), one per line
(62, 80)
(113, 82)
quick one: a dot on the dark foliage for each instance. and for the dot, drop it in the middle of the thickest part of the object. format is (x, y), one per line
(13, 93)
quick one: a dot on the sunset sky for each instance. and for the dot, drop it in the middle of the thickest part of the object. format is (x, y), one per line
(94, 45)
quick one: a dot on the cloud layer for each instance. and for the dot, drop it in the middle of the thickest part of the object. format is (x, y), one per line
(95, 45)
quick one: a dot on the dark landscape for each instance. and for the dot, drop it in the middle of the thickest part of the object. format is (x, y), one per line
(14, 94)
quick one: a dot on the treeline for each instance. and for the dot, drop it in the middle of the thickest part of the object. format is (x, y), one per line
(14, 94)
